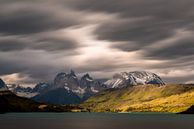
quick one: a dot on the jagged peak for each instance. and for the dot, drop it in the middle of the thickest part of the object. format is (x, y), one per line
(72, 72)
(2, 82)
(61, 74)
(87, 77)
(3, 86)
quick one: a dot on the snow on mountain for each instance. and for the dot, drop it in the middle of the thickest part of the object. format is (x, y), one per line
(41, 87)
(3, 86)
(123, 79)
(79, 86)
(86, 81)
(28, 92)
(69, 80)
(21, 91)
(72, 86)
(68, 86)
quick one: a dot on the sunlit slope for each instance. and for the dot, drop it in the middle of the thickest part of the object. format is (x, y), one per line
(143, 98)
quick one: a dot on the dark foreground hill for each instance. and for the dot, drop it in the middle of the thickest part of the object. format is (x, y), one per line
(9, 102)
(58, 96)
(189, 111)
(143, 98)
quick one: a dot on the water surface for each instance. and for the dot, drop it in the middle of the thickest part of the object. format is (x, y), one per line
(95, 121)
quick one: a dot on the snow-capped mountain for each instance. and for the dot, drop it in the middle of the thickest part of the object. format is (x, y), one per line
(123, 79)
(29, 92)
(89, 83)
(3, 86)
(85, 85)
(67, 88)
(68, 81)
(21, 91)
(41, 87)
(90, 86)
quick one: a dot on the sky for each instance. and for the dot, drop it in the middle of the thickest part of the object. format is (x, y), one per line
(41, 38)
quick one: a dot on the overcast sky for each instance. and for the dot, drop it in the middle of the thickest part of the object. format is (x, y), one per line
(39, 38)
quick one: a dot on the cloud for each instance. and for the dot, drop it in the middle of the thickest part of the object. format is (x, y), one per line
(179, 46)
(40, 38)
(140, 22)
(37, 65)
(26, 18)
(38, 43)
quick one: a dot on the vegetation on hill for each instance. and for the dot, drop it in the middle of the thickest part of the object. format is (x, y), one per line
(143, 98)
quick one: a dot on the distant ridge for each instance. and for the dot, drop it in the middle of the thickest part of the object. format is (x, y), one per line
(3, 86)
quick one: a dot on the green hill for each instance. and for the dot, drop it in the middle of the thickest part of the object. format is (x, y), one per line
(143, 98)
(9, 102)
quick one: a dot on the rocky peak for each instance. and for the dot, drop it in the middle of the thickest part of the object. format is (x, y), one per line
(87, 78)
(72, 73)
(41, 87)
(3, 86)
(67, 80)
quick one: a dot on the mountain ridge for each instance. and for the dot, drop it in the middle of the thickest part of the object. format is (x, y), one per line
(133, 78)
(85, 86)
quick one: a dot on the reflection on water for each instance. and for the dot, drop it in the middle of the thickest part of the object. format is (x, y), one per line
(95, 121)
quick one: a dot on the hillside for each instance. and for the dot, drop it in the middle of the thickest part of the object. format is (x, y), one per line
(9, 102)
(189, 110)
(58, 96)
(143, 98)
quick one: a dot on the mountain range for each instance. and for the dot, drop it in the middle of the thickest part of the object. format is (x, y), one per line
(67, 88)
(136, 91)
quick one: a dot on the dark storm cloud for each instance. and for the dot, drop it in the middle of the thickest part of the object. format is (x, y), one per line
(33, 40)
(11, 45)
(56, 44)
(27, 19)
(125, 46)
(158, 19)
(142, 32)
(179, 49)
(138, 8)
(46, 44)
(31, 43)
(35, 66)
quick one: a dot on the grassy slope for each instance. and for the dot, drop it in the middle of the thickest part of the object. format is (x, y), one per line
(168, 98)
(9, 102)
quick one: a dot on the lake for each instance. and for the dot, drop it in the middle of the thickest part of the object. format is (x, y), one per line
(95, 121)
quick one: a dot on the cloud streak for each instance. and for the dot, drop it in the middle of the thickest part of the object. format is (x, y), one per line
(41, 38)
